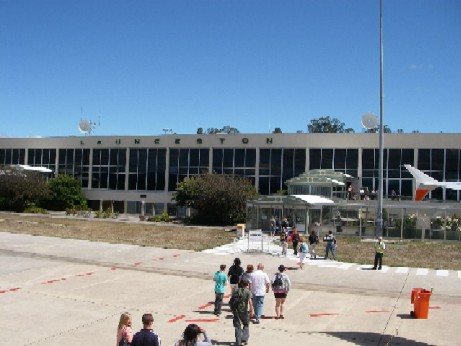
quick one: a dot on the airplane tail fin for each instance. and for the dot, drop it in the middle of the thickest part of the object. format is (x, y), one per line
(424, 183)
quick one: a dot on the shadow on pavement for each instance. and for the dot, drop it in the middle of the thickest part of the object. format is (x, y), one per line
(375, 339)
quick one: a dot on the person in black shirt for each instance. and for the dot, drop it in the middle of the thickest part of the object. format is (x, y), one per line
(234, 274)
(146, 336)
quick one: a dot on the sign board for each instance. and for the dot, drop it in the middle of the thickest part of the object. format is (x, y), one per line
(255, 235)
(423, 222)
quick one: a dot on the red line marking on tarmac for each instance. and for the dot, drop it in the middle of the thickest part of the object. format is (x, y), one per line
(205, 306)
(377, 311)
(136, 264)
(321, 315)
(113, 268)
(204, 320)
(180, 317)
(228, 296)
(434, 307)
(10, 290)
(178, 254)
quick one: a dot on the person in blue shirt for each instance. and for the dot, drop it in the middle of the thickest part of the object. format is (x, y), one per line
(220, 279)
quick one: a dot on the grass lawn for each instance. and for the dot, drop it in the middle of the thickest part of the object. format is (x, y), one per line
(435, 255)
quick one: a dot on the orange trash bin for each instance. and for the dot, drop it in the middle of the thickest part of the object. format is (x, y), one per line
(420, 298)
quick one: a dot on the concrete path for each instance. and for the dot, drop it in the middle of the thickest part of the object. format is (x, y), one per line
(65, 292)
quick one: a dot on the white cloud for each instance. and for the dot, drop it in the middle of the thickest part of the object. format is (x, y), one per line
(421, 66)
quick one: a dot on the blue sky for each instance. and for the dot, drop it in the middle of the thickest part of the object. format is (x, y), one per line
(141, 66)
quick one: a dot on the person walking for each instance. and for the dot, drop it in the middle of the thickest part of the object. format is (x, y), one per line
(242, 310)
(313, 241)
(190, 337)
(124, 331)
(234, 274)
(331, 244)
(146, 336)
(248, 275)
(284, 243)
(379, 253)
(260, 284)
(295, 241)
(280, 286)
(220, 279)
(303, 250)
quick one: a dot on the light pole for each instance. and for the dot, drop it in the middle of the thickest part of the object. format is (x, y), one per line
(379, 212)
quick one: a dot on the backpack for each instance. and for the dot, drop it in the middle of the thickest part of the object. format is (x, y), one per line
(303, 248)
(236, 299)
(278, 282)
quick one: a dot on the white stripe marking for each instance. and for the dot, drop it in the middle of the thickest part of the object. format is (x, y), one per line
(459, 274)
(441, 272)
(402, 270)
(422, 271)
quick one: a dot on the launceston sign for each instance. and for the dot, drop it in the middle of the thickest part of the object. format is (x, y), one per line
(158, 141)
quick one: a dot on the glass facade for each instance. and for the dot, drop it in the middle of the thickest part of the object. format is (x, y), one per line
(276, 166)
(241, 162)
(147, 169)
(340, 160)
(12, 156)
(76, 163)
(42, 158)
(185, 163)
(395, 176)
(108, 169)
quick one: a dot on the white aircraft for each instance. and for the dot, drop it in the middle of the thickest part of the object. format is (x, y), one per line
(425, 183)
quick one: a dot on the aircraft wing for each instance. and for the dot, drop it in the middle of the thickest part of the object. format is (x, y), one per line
(425, 183)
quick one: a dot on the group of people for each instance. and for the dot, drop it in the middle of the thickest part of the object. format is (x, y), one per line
(193, 335)
(248, 289)
(300, 245)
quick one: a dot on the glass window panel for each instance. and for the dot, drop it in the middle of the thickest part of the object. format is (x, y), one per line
(300, 162)
(327, 159)
(315, 158)
(141, 181)
(352, 160)
(424, 159)
(368, 159)
(132, 180)
(276, 161)
(250, 158)
(204, 157)
(104, 157)
(264, 185)
(142, 163)
(264, 161)
(194, 157)
(183, 157)
(96, 157)
(217, 160)
(228, 158)
(340, 159)
(406, 188)
(239, 157)
(133, 163)
(437, 159)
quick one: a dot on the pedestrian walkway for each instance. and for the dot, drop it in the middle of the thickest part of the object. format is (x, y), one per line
(270, 246)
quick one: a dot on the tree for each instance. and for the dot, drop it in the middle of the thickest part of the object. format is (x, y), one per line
(226, 130)
(217, 199)
(326, 125)
(66, 193)
(20, 188)
(277, 130)
(200, 131)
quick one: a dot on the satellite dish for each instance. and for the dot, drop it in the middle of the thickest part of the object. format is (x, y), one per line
(85, 126)
(369, 121)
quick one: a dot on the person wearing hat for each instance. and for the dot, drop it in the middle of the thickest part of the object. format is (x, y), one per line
(379, 252)
(280, 285)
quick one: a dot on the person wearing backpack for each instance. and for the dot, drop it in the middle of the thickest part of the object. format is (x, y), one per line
(234, 274)
(303, 250)
(242, 308)
(313, 241)
(280, 285)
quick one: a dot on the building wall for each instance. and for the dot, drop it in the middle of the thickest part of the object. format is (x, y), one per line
(122, 168)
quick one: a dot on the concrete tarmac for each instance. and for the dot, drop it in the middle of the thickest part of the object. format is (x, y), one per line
(68, 292)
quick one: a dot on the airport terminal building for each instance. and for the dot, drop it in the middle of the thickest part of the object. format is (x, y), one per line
(128, 171)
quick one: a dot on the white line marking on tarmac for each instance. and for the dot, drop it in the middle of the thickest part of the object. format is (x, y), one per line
(402, 270)
(345, 266)
(459, 274)
(441, 272)
(422, 271)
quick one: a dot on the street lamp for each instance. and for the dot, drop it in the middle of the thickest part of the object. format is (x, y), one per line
(379, 212)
